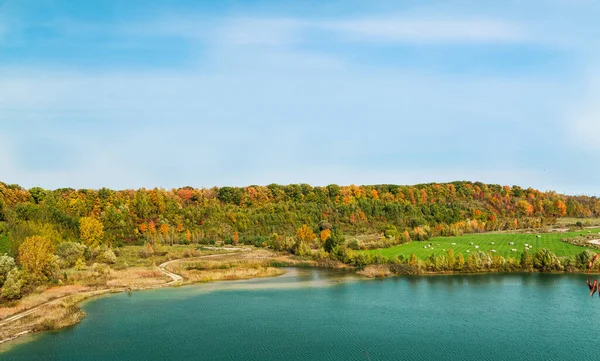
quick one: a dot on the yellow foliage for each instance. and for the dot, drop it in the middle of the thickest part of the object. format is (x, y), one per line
(91, 231)
(305, 234)
(35, 254)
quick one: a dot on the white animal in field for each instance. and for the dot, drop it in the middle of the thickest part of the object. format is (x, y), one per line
(476, 246)
(471, 243)
(514, 250)
(491, 242)
(468, 251)
(454, 244)
(494, 250)
(511, 243)
(538, 236)
(526, 244)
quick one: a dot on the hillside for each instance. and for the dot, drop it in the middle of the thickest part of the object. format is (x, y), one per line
(261, 215)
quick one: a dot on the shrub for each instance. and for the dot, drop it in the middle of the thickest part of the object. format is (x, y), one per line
(70, 252)
(146, 251)
(7, 263)
(109, 256)
(13, 284)
(80, 265)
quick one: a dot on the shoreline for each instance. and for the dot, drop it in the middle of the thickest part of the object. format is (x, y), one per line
(75, 300)
(176, 280)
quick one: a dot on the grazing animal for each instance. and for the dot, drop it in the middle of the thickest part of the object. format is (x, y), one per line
(471, 243)
(511, 243)
(494, 250)
(468, 251)
(514, 250)
(491, 242)
(476, 246)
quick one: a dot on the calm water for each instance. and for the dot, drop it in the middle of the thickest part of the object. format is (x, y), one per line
(316, 315)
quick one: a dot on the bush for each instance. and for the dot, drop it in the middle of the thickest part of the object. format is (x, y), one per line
(544, 260)
(390, 232)
(146, 251)
(80, 265)
(12, 287)
(70, 252)
(109, 256)
(302, 249)
(7, 263)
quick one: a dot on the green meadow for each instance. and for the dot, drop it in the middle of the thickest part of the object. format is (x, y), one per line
(462, 244)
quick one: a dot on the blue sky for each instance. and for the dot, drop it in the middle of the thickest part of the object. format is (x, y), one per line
(130, 94)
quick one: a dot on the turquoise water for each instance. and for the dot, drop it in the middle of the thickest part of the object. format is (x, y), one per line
(318, 315)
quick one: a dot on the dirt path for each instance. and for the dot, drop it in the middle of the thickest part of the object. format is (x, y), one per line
(175, 278)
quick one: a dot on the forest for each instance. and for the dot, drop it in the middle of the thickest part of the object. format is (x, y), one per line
(39, 227)
(261, 214)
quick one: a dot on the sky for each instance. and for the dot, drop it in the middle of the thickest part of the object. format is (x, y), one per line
(129, 94)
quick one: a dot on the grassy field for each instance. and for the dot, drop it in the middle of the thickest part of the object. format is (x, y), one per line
(551, 241)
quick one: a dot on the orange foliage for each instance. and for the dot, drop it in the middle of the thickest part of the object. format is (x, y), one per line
(164, 229)
(326, 233)
(305, 233)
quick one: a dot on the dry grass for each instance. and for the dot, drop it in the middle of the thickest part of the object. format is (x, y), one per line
(376, 271)
(37, 299)
(136, 278)
(230, 274)
(235, 266)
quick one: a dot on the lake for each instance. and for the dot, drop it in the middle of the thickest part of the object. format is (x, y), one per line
(312, 314)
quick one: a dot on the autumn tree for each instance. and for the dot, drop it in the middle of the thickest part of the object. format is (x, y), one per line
(35, 255)
(236, 238)
(91, 231)
(305, 234)
(562, 208)
(326, 233)
(164, 229)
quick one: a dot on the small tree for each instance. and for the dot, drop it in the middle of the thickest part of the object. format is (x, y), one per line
(305, 234)
(91, 231)
(35, 255)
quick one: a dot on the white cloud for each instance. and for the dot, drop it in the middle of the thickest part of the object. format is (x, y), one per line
(583, 120)
(427, 31)
(286, 31)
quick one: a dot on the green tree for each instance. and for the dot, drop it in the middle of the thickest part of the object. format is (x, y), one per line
(335, 239)
(526, 261)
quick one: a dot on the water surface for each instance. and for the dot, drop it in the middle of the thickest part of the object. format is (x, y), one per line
(321, 315)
